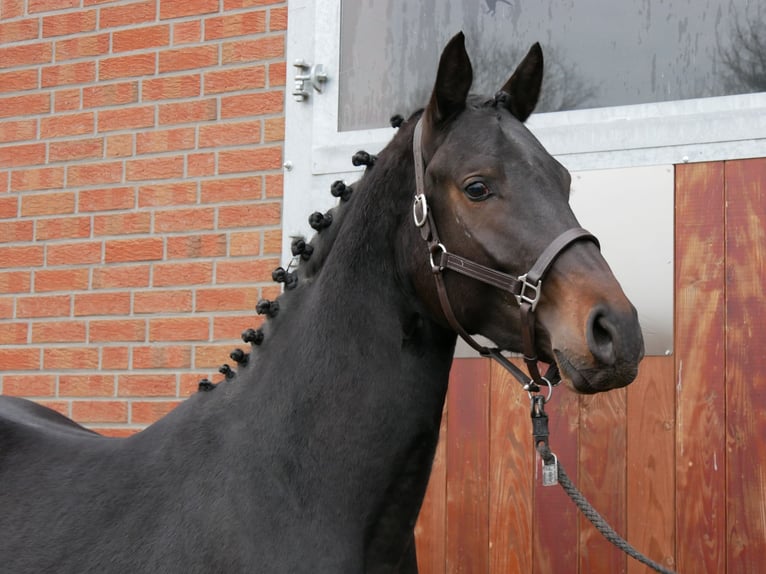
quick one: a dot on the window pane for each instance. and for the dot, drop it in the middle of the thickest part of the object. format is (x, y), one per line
(597, 52)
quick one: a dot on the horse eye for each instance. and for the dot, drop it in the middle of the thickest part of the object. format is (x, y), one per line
(477, 191)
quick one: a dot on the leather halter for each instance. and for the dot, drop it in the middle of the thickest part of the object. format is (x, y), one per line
(525, 288)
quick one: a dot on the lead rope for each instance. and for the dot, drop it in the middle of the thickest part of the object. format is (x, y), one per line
(553, 473)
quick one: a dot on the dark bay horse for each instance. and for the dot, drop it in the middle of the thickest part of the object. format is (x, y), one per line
(315, 455)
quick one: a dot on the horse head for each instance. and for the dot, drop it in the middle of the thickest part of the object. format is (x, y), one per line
(498, 200)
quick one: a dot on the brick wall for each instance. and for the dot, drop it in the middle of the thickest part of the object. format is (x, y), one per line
(140, 196)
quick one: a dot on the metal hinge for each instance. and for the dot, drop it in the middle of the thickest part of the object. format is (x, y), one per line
(313, 74)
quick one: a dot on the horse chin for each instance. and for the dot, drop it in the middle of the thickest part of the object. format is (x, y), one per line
(588, 380)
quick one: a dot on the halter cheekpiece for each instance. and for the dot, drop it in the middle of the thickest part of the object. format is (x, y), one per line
(526, 288)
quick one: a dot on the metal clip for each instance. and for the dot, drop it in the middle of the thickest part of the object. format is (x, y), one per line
(526, 286)
(551, 472)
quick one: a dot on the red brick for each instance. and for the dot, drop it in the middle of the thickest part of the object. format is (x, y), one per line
(61, 280)
(22, 154)
(226, 299)
(253, 50)
(87, 385)
(18, 130)
(187, 32)
(234, 4)
(188, 112)
(210, 356)
(231, 189)
(117, 94)
(271, 292)
(11, 8)
(47, 204)
(69, 23)
(225, 134)
(125, 118)
(119, 145)
(236, 79)
(67, 74)
(274, 129)
(114, 432)
(18, 80)
(21, 256)
(274, 185)
(173, 274)
(75, 149)
(166, 194)
(191, 58)
(146, 249)
(25, 105)
(106, 199)
(200, 164)
(67, 125)
(251, 215)
(115, 358)
(118, 330)
(128, 14)
(27, 54)
(6, 308)
(38, 178)
(9, 207)
(179, 329)
(154, 168)
(76, 253)
(94, 173)
(238, 24)
(175, 9)
(100, 411)
(58, 332)
(278, 19)
(97, 303)
(18, 359)
(168, 221)
(277, 74)
(127, 66)
(140, 38)
(16, 231)
(249, 160)
(147, 412)
(62, 228)
(82, 47)
(29, 385)
(186, 86)
(15, 281)
(13, 333)
(123, 276)
(70, 358)
(122, 223)
(245, 243)
(146, 385)
(162, 301)
(231, 326)
(196, 246)
(50, 5)
(258, 271)
(43, 306)
(67, 100)
(261, 103)
(162, 357)
(165, 140)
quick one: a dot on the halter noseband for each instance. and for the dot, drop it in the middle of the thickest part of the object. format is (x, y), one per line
(526, 288)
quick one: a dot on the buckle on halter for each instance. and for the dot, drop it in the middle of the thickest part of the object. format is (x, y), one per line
(420, 210)
(439, 249)
(530, 292)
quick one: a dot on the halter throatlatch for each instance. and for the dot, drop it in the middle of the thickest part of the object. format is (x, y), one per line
(525, 288)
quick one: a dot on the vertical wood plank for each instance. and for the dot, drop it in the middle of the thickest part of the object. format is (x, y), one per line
(468, 468)
(602, 477)
(651, 463)
(699, 353)
(511, 457)
(556, 518)
(431, 528)
(746, 364)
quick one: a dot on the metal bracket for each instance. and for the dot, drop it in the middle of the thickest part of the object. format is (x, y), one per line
(313, 74)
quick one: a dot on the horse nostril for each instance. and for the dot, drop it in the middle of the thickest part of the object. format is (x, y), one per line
(601, 336)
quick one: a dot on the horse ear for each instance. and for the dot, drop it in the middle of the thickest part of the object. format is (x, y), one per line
(453, 80)
(523, 86)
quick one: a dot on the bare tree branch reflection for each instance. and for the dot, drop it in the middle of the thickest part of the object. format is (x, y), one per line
(745, 57)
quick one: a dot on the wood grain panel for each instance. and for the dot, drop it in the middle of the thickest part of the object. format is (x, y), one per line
(699, 377)
(746, 364)
(511, 457)
(556, 516)
(468, 468)
(602, 477)
(651, 463)
(431, 528)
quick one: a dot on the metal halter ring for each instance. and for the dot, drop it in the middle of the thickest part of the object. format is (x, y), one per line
(420, 210)
(547, 382)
